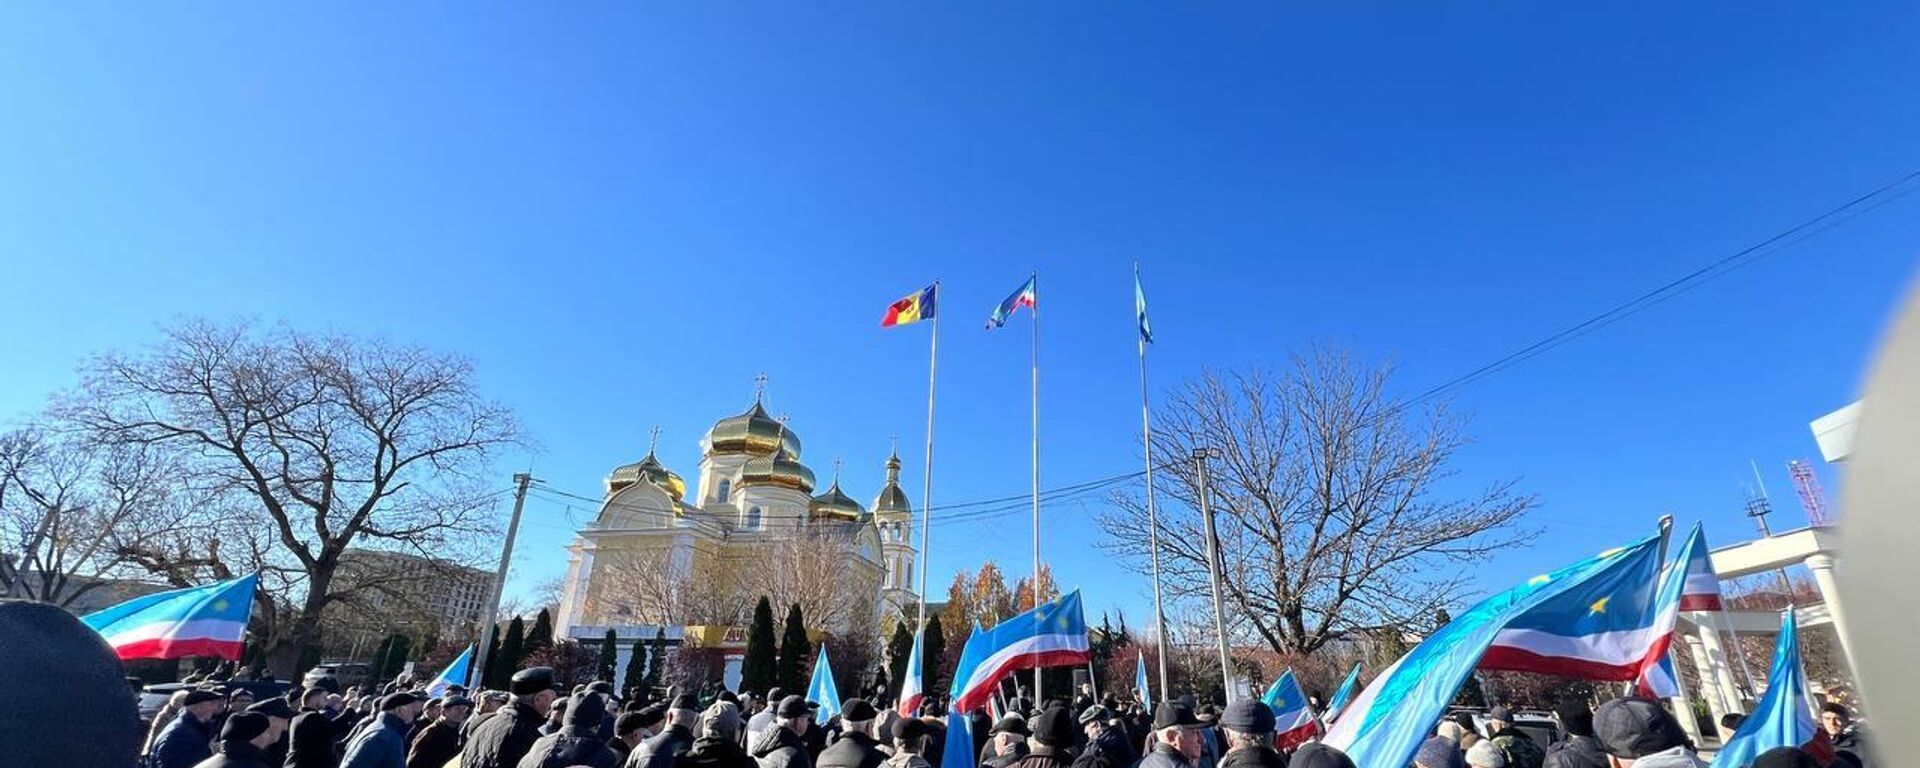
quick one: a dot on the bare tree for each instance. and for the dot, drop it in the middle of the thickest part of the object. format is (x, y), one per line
(1336, 504)
(323, 441)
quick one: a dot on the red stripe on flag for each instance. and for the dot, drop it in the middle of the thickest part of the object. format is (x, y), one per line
(975, 699)
(1297, 736)
(1512, 659)
(1701, 603)
(161, 648)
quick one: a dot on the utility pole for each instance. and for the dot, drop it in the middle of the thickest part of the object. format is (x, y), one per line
(1213, 571)
(521, 481)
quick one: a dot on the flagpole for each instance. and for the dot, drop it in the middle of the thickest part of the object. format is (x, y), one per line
(1688, 721)
(1034, 358)
(1153, 515)
(926, 486)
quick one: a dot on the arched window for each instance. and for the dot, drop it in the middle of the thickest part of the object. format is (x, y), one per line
(726, 488)
(753, 515)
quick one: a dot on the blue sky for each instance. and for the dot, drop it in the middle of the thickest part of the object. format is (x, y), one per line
(623, 212)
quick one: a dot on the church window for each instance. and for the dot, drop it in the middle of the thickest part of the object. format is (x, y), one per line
(753, 515)
(726, 487)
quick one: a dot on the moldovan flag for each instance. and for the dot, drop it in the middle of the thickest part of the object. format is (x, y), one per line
(1293, 721)
(916, 307)
(1784, 716)
(197, 621)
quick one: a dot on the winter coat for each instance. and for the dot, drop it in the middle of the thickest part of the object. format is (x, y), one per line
(660, 750)
(779, 748)
(1012, 755)
(504, 738)
(852, 750)
(1519, 748)
(759, 724)
(381, 745)
(1576, 752)
(1043, 757)
(1108, 750)
(237, 754)
(436, 744)
(1851, 745)
(1253, 757)
(907, 760)
(577, 742)
(1165, 756)
(184, 743)
(715, 752)
(310, 740)
(1678, 757)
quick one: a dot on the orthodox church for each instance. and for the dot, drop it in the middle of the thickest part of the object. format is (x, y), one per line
(753, 492)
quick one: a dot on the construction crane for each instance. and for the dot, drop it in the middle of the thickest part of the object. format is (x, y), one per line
(1812, 499)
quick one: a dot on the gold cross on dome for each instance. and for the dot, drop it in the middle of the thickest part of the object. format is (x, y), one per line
(759, 386)
(653, 438)
(837, 461)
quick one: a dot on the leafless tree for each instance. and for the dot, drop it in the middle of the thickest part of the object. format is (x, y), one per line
(323, 441)
(1336, 503)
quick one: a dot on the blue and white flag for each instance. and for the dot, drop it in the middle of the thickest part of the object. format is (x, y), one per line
(1606, 628)
(1784, 716)
(196, 621)
(821, 689)
(454, 674)
(1343, 695)
(911, 690)
(1051, 634)
(1140, 680)
(1386, 723)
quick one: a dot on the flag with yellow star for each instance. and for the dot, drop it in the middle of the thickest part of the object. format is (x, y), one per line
(198, 621)
(1604, 630)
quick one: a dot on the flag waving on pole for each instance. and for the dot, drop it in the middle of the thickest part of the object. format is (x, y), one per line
(1608, 628)
(1702, 590)
(1049, 634)
(197, 621)
(821, 689)
(1140, 680)
(1293, 721)
(1784, 716)
(454, 674)
(1027, 296)
(1343, 694)
(911, 692)
(916, 307)
(1140, 309)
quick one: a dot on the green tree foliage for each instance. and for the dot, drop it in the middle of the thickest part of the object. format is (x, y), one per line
(540, 637)
(391, 656)
(491, 676)
(636, 669)
(795, 652)
(609, 656)
(513, 650)
(933, 646)
(656, 661)
(758, 671)
(899, 648)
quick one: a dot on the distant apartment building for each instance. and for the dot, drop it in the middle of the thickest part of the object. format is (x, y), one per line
(395, 592)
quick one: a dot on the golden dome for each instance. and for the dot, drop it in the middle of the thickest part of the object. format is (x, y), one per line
(892, 498)
(780, 469)
(836, 505)
(753, 432)
(651, 470)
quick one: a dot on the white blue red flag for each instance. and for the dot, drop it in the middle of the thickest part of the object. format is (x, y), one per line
(1140, 680)
(1702, 590)
(1386, 723)
(454, 674)
(1343, 695)
(1608, 628)
(1784, 716)
(1051, 634)
(1656, 677)
(197, 621)
(821, 690)
(1028, 296)
(1293, 720)
(911, 692)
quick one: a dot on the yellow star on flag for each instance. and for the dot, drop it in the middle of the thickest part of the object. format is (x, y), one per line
(1600, 606)
(1538, 580)
(220, 605)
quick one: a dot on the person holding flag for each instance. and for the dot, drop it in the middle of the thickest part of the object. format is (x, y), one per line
(1784, 716)
(209, 621)
(1294, 722)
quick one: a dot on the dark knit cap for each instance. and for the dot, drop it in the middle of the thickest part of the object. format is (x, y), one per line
(531, 680)
(201, 696)
(908, 728)
(274, 707)
(1055, 727)
(244, 726)
(686, 701)
(1314, 754)
(858, 711)
(1786, 757)
(1248, 715)
(52, 657)
(793, 707)
(650, 715)
(398, 700)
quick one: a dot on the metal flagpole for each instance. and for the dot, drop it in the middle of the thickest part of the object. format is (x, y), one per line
(1200, 456)
(926, 487)
(1153, 515)
(1034, 357)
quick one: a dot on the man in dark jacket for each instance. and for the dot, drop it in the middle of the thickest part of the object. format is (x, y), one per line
(1848, 743)
(1580, 749)
(857, 747)
(440, 740)
(384, 744)
(189, 738)
(1519, 748)
(281, 715)
(243, 742)
(311, 735)
(578, 741)
(1107, 746)
(1247, 727)
(719, 742)
(1176, 737)
(506, 735)
(785, 745)
(1006, 742)
(672, 741)
(1051, 745)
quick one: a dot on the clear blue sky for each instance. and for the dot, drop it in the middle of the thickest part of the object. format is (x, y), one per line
(624, 211)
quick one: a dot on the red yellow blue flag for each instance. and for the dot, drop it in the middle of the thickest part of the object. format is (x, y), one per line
(917, 306)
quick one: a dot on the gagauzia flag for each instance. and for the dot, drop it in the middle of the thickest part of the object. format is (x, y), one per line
(1386, 723)
(1656, 678)
(1028, 296)
(1140, 681)
(454, 674)
(1702, 590)
(198, 621)
(1050, 634)
(1608, 627)
(911, 694)
(1293, 720)
(821, 690)
(1343, 695)
(917, 306)
(1784, 716)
